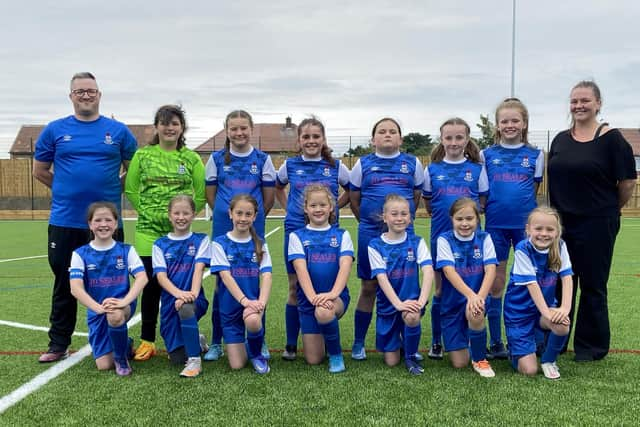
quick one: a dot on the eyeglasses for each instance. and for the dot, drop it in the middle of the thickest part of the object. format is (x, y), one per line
(81, 92)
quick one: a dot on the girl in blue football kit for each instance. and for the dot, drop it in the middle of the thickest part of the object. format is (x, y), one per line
(530, 303)
(238, 168)
(99, 277)
(467, 259)
(374, 176)
(396, 259)
(514, 169)
(322, 255)
(179, 260)
(455, 171)
(314, 165)
(241, 260)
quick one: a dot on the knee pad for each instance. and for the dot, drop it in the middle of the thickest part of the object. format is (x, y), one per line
(186, 311)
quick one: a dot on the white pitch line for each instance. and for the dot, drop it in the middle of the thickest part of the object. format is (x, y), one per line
(23, 258)
(35, 328)
(42, 379)
(26, 389)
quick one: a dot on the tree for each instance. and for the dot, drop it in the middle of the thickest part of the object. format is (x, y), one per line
(417, 144)
(488, 130)
(359, 151)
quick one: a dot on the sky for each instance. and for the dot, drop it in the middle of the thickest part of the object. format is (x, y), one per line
(348, 63)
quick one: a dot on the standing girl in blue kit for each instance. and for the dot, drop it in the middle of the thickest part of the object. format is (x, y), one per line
(375, 175)
(314, 165)
(239, 168)
(514, 169)
(455, 171)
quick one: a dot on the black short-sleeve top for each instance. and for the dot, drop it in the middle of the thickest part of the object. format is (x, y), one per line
(583, 176)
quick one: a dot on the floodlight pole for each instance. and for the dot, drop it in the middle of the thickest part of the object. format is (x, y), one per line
(513, 51)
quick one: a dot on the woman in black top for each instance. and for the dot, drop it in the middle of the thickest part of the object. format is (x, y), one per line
(591, 173)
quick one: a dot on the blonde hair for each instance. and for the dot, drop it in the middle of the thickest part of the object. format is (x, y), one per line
(320, 188)
(554, 262)
(462, 203)
(513, 104)
(471, 150)
(257, 241)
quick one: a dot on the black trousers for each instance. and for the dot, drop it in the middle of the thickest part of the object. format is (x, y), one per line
(62, 242)
(590, 242)
(149, 302)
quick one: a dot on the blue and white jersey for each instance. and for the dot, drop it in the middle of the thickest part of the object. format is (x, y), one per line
(445, 182)
(530, 266)
(401, 260)
(468, 256)
(177, 256)
(322, 249)
(301, 171)
(105, 272)
(247, 173)
(375, 176)
(513, 172)
(87, 157)
(240, 259)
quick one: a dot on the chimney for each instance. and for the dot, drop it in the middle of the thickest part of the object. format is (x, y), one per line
(287, 123)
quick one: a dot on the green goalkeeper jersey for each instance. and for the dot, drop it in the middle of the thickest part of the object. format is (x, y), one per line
(154, 176)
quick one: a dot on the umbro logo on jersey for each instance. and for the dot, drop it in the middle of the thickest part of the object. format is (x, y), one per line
(440, 178)
(299, 172)
(375, 168)
(91, 267)
(496, 161)
(66, 138)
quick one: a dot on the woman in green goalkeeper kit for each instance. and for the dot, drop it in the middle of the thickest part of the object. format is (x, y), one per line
(159, 171)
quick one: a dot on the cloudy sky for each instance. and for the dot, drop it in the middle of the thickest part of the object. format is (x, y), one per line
(349, 63)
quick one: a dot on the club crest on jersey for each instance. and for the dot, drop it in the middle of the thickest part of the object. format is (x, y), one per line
(467, 176)
(334, 242)
(525, 162)
(410, 255)
(191, 250)
(182, 169)
(254, 257)
(119, 263)
(476, 253)
(254, 168)
(326, 172)
(107, 139)
(66, 138)
(404, 168)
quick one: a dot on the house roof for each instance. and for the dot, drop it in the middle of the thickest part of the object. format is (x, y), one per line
(268, 137)
(28, 135)
(633, 136)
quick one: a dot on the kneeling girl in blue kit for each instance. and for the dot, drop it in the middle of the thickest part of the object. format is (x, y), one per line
(530, 303)
(468, 262)
(179, 260)
(321, 254)
(99, 277)
(241, 260)
(396, 258)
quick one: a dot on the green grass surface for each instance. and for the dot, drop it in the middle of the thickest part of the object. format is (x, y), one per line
(368, 393)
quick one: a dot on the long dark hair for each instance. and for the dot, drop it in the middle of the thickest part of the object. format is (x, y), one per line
(257, 242)
(164, 116)
(326, 151)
